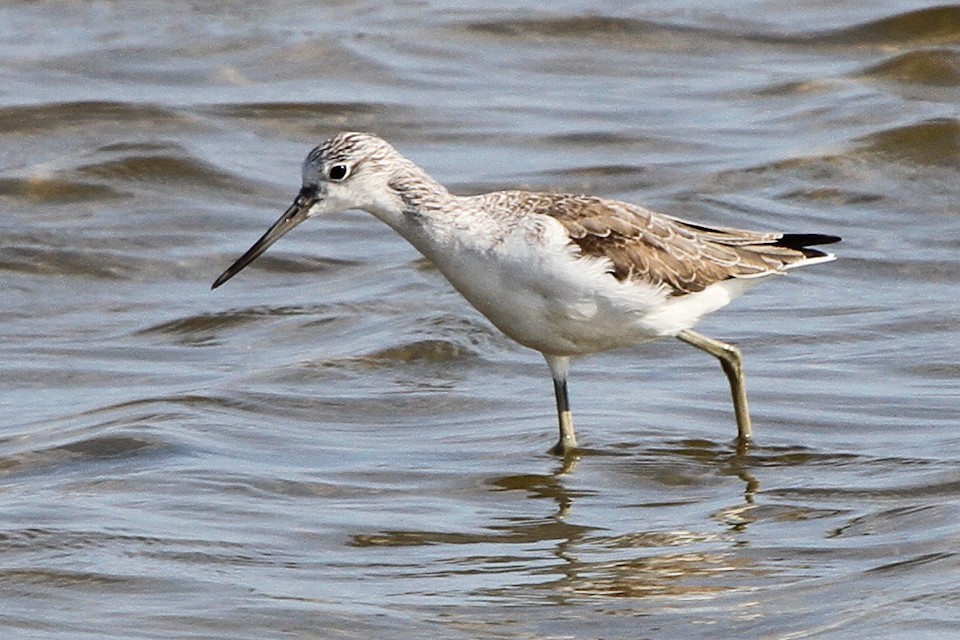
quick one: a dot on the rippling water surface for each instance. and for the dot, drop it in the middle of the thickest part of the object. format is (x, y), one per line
(336, 446)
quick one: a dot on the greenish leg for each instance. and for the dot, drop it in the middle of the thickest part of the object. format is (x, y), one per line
(559, 366)
(732, 362)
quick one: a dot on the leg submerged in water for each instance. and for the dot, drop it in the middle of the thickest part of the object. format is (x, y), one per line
(559, 366)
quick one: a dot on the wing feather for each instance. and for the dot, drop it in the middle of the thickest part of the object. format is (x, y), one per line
(661, 250)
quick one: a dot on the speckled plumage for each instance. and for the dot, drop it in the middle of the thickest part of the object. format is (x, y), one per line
(658, 249)
(563, 274)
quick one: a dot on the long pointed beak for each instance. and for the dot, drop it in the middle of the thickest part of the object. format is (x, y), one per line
(293, 216)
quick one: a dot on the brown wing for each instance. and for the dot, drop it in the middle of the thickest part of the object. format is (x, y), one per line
(662, 250)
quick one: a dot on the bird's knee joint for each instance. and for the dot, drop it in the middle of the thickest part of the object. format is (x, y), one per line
(733, 352)
(731, 359)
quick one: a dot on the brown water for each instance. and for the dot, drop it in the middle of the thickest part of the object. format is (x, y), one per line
(336, 446)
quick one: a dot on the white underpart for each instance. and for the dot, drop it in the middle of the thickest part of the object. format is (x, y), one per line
(533, 286)
(683, 312)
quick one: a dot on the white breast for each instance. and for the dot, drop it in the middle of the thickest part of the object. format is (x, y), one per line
(531, 284)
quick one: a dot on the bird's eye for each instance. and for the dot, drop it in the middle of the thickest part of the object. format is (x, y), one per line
(338, 172)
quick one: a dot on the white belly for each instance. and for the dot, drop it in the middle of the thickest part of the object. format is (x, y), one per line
(535, 289)
(551, 301)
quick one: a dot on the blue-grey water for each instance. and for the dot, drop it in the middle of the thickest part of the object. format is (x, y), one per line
(335, 445)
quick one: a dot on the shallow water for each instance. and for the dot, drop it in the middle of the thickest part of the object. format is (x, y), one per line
(334, 445)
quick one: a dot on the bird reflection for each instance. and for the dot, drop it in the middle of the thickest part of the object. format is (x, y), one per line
(661, 562)
(567, 557)
(728, 461)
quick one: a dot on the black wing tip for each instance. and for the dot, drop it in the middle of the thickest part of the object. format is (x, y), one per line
(803, 240)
